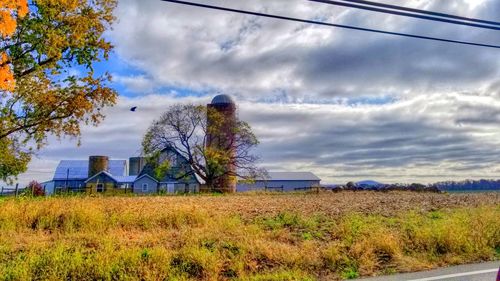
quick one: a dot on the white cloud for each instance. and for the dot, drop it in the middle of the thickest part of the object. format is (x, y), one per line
(135, 83)
(437, 119)
(255, 57)
(424, 138)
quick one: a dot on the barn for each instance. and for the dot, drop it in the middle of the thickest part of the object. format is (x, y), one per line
(100, 174)
(281, 181)
(180, 178)
(72, 174)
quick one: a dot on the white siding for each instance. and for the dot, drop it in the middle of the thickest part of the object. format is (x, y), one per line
(152, 185)
(49, 187)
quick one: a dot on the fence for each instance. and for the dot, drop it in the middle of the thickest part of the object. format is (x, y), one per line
(11, 191)
(16, 191)
(72, 190)
(282, 188)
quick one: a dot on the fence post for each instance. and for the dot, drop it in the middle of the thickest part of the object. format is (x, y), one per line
(17, 187)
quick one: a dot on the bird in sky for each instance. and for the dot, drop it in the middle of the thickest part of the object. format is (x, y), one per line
(133, 108)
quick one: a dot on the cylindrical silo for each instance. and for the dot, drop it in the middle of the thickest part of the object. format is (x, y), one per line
(97, 164)
(135, 165)
(221, 133)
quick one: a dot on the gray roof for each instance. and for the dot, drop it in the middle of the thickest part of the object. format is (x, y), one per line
(292, 176)
(125, 179)
(145, 175)
(199, 179)
(222, 99)
(79, 169)
(118, 179)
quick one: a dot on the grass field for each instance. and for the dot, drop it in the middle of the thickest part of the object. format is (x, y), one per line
(304, 236)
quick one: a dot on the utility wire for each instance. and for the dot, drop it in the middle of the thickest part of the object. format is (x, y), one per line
(406, 14)
(395, 7)
(329, 24)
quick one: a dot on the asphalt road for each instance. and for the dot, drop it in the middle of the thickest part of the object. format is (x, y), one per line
(471, 272)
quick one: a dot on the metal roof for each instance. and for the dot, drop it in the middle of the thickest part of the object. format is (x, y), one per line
(199, 179)
(101, 173)
(79, 169)
(222, 99)
(292, 176)
(118, 179)
(145, 175)
(125, 179)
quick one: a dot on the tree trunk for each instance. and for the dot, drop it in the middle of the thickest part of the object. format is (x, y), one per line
(210, 185)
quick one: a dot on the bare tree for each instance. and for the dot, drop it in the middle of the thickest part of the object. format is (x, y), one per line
(184, 128)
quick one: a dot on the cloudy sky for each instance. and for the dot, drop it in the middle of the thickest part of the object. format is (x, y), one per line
(347, 105)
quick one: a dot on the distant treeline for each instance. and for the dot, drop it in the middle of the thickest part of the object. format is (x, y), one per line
(387, 187)
(468, 185)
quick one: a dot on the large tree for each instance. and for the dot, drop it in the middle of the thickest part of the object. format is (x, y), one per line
(51, 57)
(184, 127)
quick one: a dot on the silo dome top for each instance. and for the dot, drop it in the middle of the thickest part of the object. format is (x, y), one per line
(222, 99)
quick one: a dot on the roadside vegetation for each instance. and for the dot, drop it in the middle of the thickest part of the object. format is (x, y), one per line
(323, 236)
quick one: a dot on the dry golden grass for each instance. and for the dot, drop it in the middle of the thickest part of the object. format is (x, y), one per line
(304, 236)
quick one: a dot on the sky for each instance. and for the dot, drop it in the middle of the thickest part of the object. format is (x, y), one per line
(346, 105)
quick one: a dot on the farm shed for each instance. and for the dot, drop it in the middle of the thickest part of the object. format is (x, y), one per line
(281, 181)
(145, 184)
(105, 181)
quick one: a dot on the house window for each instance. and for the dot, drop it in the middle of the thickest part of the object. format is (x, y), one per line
(144, 187)
(100, 187)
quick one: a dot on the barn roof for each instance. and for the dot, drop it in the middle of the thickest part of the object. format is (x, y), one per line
(125, 179)
(118, 179)
(289, 176)
(145, 175)
(149, 170)
(79, 169)
(292, 176)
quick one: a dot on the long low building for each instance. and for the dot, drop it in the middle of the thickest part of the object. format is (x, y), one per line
(281, 181)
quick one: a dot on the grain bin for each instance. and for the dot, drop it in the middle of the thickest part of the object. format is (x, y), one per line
(221, 136)
(98, 164)
(135, 165)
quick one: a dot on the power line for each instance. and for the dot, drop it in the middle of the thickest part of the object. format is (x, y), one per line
(386, 11)
(330, 24)
(413, 10)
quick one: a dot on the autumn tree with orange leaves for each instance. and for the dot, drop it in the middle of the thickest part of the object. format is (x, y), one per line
(10, 10)
(48, 85)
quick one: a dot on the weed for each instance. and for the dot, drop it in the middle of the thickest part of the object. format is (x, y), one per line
(350, 273)
(307, 236)
(254, 237)
(145, 254)
(281, 275)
